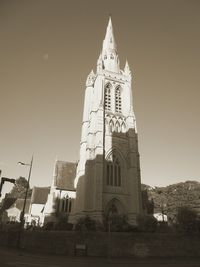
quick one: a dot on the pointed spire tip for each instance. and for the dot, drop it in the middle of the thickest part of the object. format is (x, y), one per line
(109, 41)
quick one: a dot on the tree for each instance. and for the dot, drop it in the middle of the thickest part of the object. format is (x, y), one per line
(117, 223)
(62, 223)
(146, 223)
(147, 204)
(186, 219)
(85, 224)
(19, 189)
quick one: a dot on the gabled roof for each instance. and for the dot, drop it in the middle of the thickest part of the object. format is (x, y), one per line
(65, 173)
(39, 195)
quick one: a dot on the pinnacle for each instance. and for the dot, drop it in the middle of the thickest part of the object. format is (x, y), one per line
(91, 73)
(126, 68)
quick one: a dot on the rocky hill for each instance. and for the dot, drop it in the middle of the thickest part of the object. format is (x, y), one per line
(168, 199)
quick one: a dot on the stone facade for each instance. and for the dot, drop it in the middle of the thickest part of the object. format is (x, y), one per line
(107, 179)
(108, 173)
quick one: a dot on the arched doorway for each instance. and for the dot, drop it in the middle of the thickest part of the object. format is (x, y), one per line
(114, 207)
(114, 214)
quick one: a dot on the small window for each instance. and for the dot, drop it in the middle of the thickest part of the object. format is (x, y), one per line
(66, 204)
(70, 205)
(118, 100)
(108, 96)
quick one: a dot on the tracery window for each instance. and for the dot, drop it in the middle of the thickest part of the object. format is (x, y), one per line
(108, 97)
(113, 173)
(65, 205)
(118, 101)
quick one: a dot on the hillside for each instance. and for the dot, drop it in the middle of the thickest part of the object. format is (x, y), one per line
(168, 199)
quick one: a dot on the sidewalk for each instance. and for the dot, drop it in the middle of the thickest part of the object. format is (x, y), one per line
(20, 258)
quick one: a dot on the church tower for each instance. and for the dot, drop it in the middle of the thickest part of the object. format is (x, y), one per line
(108, 173)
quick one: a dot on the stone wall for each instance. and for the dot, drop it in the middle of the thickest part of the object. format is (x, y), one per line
(102, 244)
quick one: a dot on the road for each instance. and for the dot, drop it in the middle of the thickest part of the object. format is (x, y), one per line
(15, 258)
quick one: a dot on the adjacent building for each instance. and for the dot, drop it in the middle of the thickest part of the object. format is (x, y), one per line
(37, 204)
(60, 201)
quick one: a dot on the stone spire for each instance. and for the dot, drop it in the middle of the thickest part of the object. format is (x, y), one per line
(109, 56)
(109, 41)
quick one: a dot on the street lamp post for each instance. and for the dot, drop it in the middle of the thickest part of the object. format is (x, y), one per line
(21, 226)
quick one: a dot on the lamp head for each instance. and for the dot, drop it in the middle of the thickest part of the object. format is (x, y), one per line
(21, 163)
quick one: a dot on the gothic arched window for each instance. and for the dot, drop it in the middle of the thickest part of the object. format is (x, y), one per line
(117, 127)
(70, 205)
(108, 96)
(118, 101)
(123, 127)
(111, 124)
(65, 205)
(113, 172)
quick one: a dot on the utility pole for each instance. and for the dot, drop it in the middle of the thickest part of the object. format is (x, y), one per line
(21, 226)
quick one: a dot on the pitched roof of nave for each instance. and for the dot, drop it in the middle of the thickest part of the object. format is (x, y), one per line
(39, 195)
(65, 173)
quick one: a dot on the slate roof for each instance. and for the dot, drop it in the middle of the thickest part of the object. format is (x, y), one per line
(39, 195)
(65, 173)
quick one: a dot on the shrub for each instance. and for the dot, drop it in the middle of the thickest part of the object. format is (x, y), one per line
(14, 226)
(117, 223)
(186, 220)
(60, 225)
(164, 227)
(146, 223)
(100, 227)
(63, 226)
(85, 223)
(48, 226)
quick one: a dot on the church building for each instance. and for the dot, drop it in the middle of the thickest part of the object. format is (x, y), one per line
(106, 179)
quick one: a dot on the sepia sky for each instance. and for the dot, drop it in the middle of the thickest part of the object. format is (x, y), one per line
(47, 49)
